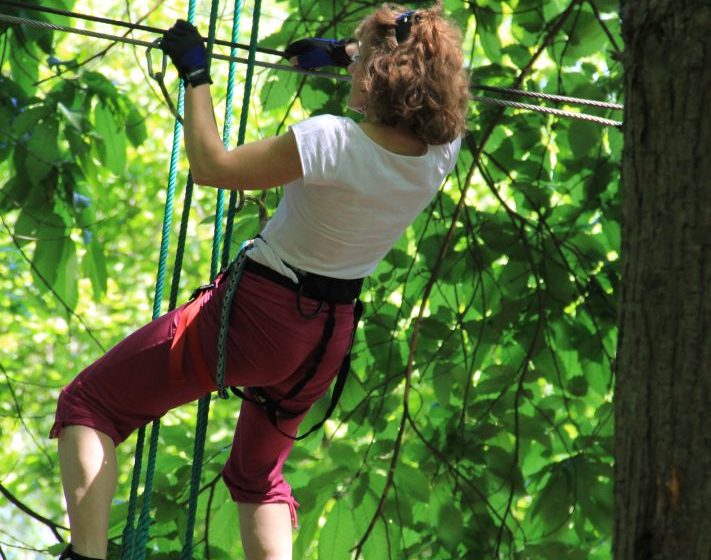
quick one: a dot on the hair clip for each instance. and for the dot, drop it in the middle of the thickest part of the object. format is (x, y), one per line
(403, 25)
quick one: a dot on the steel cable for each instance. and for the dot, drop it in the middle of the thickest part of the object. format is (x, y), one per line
(340, 77)
(276, 52)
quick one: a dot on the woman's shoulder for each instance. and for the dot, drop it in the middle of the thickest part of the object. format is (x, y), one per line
(327, 120)
(326, 126)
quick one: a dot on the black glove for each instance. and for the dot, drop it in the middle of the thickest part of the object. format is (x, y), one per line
(317, 52)
(185, 47)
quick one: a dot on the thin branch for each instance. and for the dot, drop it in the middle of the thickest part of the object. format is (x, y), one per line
(41, 518)
(21, 417)
(607, 31)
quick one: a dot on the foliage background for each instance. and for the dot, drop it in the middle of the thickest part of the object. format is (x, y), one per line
(479, 408)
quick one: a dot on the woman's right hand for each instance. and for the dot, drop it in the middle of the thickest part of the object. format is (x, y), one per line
(316, 52)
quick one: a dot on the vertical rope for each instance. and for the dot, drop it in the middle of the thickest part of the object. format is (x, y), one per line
(228, 129)
(129, 530)
(135, 538)
(243, 121)
(204, 403)
(198, 453)
(182, 236)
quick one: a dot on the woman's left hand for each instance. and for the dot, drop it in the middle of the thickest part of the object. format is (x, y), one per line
(186, 48)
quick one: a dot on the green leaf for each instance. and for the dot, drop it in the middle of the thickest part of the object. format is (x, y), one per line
(519, 54)
(558, 282)
(136, 126)
(312, 97)
(534, 197)
(313, 499)
(377, 545)
(514, 279)
(501, 463)
(223, 519)
(112, 148)
(497, 234)
(14, 194)
(496, 378)
(100, 85)
(55, 266)
(23, 65)
(338, 535)
(584, 137)
(26, 227)
(578, 386)
(42, 149)
(413, 482)
(344, 455)
(74, 118)
(443, 381)
(94, 267)
(450, 527)
(57, 548)
(553, 504)
(279, 89)
(434, 329)
(28, 118)
(489, 23)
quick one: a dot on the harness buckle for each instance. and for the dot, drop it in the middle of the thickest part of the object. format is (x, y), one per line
(197, 292)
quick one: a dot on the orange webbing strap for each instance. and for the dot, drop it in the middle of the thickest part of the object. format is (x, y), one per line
(188, 328)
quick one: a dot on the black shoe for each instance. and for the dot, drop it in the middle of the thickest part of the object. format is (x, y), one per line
(69, 554)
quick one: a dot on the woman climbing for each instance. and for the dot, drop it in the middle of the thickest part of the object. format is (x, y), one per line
(350, 190)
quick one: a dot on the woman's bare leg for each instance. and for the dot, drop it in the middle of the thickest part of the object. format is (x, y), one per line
(87, 458)
(266, 531)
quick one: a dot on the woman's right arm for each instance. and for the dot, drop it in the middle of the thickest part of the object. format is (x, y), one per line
(264, 164)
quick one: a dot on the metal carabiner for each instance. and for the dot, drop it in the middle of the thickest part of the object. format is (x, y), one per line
(160, 77)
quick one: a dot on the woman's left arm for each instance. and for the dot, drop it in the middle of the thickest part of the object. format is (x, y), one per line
(259, 165)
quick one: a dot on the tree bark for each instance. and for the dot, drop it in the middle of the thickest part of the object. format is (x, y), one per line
(662, 395)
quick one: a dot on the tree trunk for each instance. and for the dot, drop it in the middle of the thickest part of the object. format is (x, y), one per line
(663, 397)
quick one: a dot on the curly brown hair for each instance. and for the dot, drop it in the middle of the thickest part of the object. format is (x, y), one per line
(419, 82)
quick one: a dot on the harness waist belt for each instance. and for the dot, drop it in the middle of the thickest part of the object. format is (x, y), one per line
(311, 285)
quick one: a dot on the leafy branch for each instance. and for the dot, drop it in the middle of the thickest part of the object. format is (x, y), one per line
(47, 284)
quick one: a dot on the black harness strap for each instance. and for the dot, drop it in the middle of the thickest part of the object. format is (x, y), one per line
(273, 408)
(329, 292)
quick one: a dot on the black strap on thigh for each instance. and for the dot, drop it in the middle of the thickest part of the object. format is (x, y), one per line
(329, 292)
(273, 408)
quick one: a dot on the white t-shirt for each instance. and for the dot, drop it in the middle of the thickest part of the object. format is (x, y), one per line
(353, 202)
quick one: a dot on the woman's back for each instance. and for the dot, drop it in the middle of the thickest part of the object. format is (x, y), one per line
(355, 198)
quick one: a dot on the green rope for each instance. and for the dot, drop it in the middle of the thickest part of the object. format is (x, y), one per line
(242, 121)
(221, 358)
(129, 541)
(228, 129)
(129, 530)
(204, 403)
(136, 538)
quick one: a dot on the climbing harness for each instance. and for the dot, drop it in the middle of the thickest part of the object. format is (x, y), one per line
(329, 292)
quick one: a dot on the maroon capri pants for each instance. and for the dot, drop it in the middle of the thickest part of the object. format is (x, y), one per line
(270, 345)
